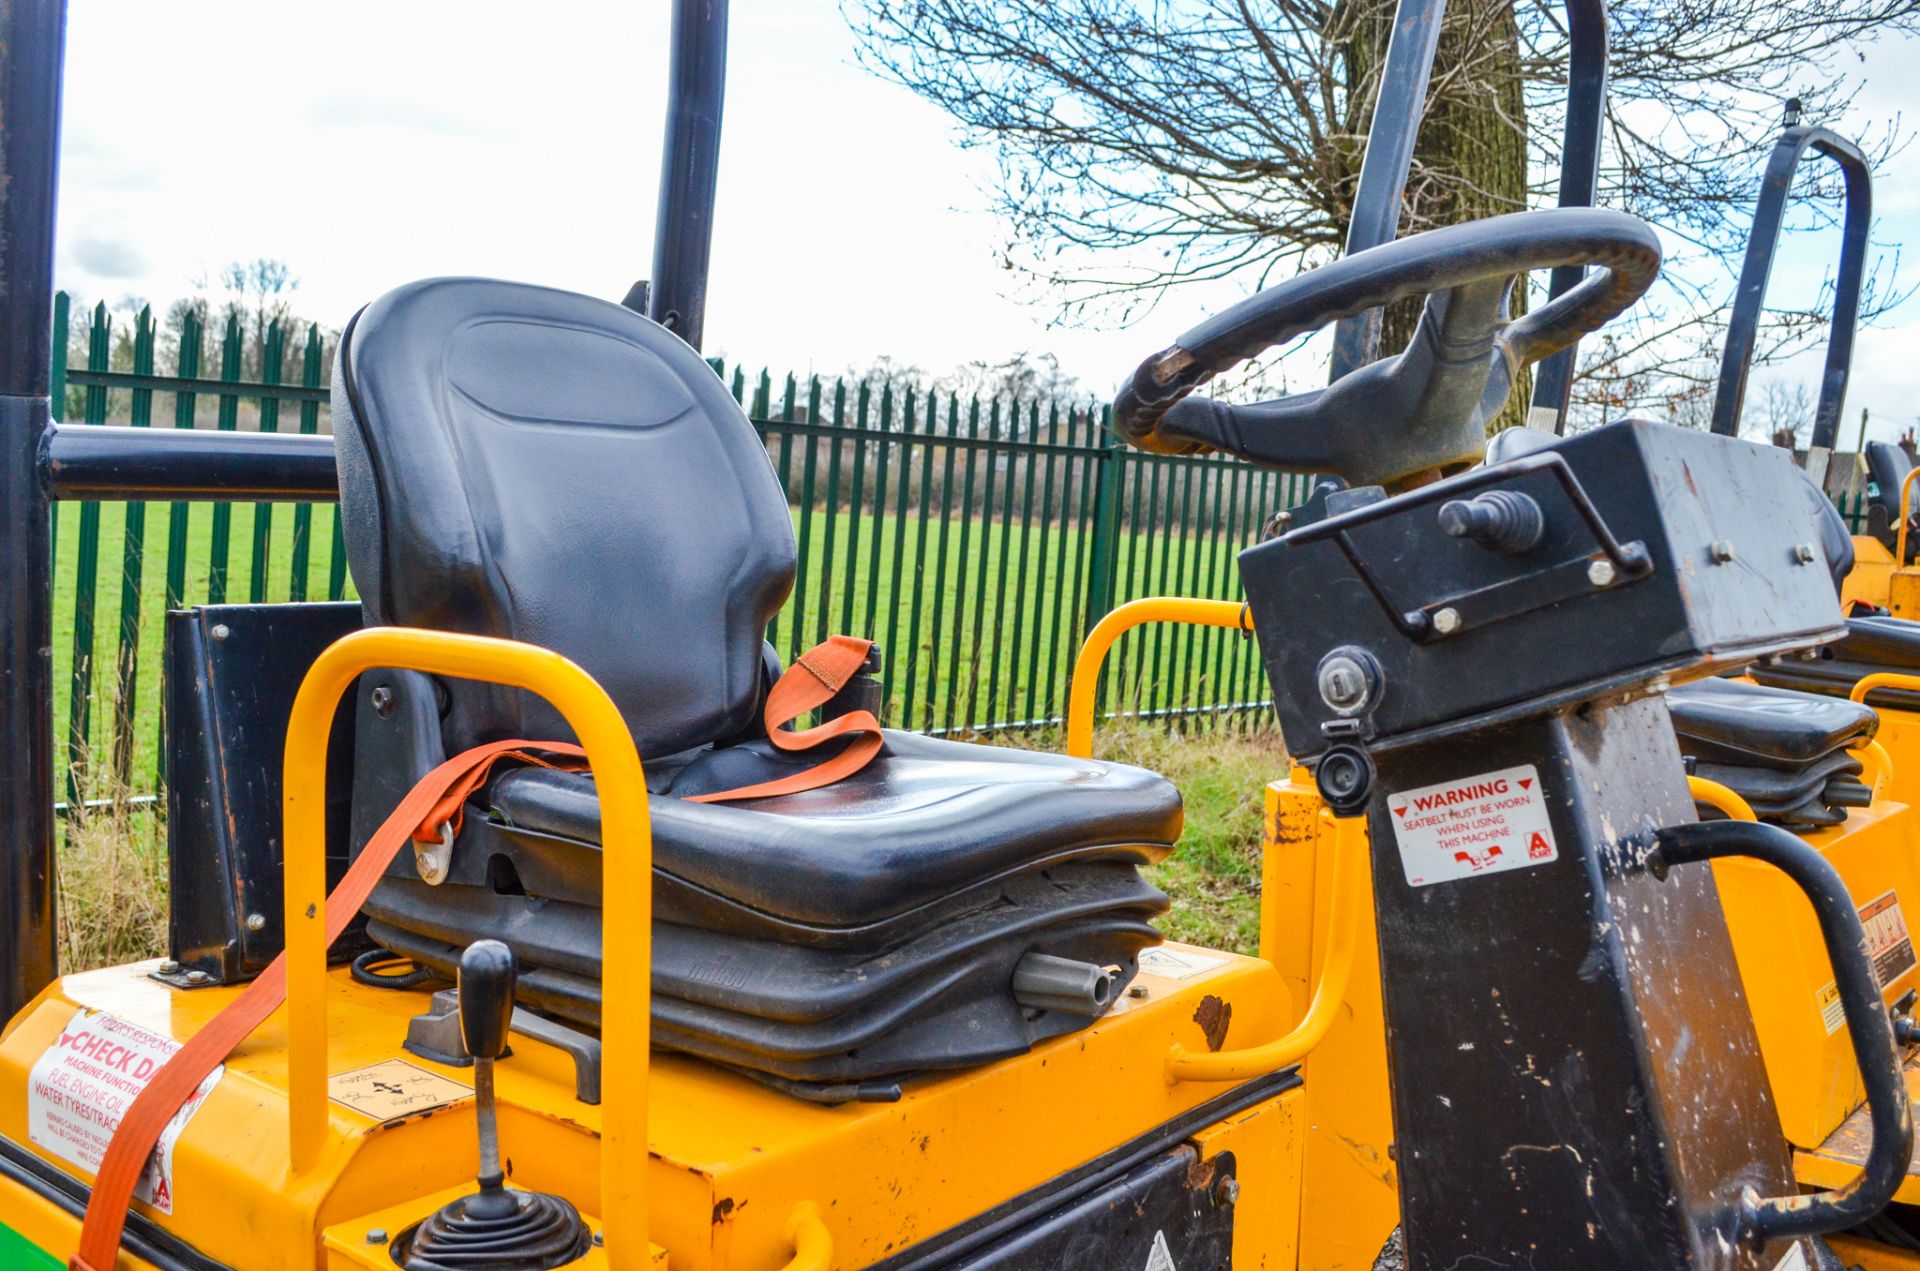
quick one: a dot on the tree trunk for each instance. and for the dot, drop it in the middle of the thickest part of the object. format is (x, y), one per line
(1470, 161)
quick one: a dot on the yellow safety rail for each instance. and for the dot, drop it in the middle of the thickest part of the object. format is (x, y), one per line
(1723, 798)
(1876, 765)
(1343, 934)
(1906, 510)
(626, 920)
(1349, 848)
(1084, 686)
(812, 1244)
(1884, 679)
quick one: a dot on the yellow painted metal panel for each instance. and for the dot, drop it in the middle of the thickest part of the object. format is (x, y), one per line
(731, 1158)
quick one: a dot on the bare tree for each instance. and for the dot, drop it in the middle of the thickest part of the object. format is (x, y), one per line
(1783, 415)
(259, 293)
(1142, 144)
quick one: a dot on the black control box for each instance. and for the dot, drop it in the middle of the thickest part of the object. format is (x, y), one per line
(1613, 560)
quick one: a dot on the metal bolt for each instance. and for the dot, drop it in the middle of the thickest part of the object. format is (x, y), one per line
(377, 1236)
(599, 1239)
(256, 922)
(1343, 683)
(1446, 621)
(199, 977)
(169, 967)
(382, 700)
(1226, 1192)
(1137, 990)
(1278, 524)
(1721, 551)
(1602, 573)
(220, 631)
(1803, 552)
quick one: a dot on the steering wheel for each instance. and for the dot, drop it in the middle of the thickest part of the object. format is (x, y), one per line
(1424, 410)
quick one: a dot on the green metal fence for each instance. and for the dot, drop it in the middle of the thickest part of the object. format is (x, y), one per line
(975, 539)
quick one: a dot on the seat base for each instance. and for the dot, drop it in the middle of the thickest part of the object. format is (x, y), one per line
(1784, 752)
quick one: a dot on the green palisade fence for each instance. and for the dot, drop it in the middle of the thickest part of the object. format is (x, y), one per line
(976, 540)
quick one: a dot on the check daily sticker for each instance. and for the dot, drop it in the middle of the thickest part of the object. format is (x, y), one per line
(84, 1083)
(1483, 824)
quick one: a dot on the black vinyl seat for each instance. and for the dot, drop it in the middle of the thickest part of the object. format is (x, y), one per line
(527, 463)
(1873, 643)
(1887, 468)
(1784, 752)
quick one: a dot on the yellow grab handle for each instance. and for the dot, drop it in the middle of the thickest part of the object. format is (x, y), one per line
(812, 1243)
(1884, 679)
(1350, 857)
(627, 871)
(1082, 687)
(1876, 765)
(1906, 510)
(1722, 798)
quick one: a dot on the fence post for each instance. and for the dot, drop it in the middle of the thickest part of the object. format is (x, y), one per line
(1104, 554)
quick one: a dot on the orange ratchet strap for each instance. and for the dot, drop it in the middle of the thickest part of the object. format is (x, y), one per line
(437, 801)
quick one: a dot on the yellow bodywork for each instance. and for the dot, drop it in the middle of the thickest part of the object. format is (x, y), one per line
(731, 1160)
(1871, 576)
(285, 1164)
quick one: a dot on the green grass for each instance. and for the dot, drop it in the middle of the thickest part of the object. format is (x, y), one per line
(968, 643)
(1213, 875)
(112, 570)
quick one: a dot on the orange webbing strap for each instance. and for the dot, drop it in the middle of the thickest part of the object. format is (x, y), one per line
(433, 803)
(139, 1131)
(821, 672)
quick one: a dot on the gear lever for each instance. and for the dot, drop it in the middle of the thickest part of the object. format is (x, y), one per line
(494, 1228)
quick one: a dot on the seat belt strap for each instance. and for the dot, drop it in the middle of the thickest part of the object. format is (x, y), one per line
(435, 803)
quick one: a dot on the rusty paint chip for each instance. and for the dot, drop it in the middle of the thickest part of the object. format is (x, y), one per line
(1213, 1015)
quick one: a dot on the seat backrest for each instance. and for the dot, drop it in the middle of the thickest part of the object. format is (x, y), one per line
(1887, 466)
(527, 463)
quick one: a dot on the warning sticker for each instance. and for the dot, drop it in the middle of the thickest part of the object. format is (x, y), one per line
(1832, 1014)
(1176, 964)
(1482, 824)
(1888, 942)
(85, 1082)
(393, 1090)
(1160, 1258)
(1796, 1260)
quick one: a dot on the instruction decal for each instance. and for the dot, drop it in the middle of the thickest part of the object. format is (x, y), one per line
(1176, 964)
(1484, 824)
(1832, 1014)
(393, 1090)
(84, 1083)
(1889, 943)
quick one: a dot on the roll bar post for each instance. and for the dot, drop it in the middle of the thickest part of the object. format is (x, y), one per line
(32, 37)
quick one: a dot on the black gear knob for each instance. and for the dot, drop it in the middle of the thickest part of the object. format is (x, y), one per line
(487, 975)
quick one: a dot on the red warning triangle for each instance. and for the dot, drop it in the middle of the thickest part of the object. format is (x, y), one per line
(1401, 810)
(1526, 783)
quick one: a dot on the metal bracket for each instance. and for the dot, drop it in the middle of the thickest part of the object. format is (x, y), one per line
(435, 1036)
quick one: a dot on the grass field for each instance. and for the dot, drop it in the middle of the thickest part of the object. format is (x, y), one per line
(979, 619)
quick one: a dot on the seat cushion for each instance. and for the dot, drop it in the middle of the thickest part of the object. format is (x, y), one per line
(926, 819)
(1726, 721)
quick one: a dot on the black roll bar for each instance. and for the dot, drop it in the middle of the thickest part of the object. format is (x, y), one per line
(32, 37)
(1390, 140)
(1743, 329)
(689, 168)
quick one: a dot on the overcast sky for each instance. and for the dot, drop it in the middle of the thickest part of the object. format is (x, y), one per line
(367, 144)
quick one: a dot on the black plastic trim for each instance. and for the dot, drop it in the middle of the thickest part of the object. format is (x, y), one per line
(979, 1232)
(142, 1238)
